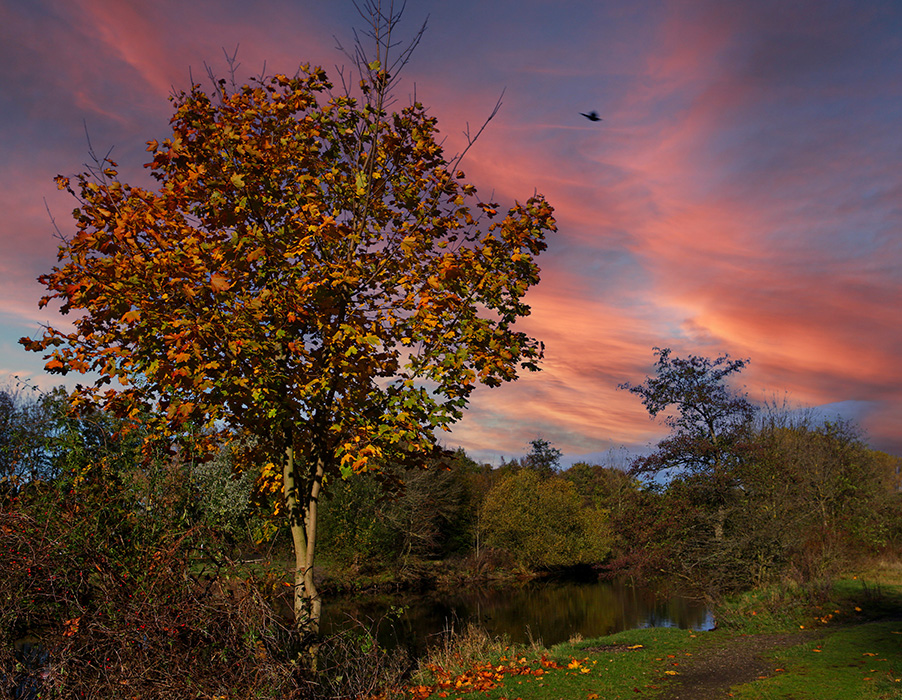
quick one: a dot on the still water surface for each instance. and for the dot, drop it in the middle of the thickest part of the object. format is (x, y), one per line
(549, 612)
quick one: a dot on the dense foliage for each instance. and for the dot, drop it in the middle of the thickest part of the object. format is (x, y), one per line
(543, 522)
(108, 565)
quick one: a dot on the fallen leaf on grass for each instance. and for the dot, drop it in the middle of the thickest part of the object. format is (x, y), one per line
(549, 663)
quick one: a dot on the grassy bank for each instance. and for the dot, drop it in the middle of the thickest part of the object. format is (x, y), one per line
(843, 641)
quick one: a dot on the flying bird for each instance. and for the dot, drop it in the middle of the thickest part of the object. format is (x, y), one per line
(592, 116)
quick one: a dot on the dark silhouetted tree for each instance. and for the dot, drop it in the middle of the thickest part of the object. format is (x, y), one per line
(710, 428)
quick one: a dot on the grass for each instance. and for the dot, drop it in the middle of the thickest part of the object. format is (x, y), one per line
(857, 655)
(855, 662)
(641, 661)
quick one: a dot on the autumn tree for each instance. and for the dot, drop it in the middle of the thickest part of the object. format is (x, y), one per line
(542, 458)
(602, 486)
(818, 496)
(543, 523)
(311, 270)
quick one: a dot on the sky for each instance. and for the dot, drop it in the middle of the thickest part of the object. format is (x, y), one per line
(742, 194)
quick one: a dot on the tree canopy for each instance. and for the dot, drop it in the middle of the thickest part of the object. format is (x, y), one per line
(710, 419)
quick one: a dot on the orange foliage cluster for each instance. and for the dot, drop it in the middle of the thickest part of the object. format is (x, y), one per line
(479, 678)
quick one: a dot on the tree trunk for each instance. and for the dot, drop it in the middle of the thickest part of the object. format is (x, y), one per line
(301, 497)
(718, 523)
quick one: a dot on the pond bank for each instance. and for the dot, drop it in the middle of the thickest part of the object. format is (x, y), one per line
(852, 651)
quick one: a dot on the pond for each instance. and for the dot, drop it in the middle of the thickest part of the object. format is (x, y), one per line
(548, 612)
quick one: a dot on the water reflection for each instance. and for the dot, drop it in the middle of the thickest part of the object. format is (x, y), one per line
(550, 612)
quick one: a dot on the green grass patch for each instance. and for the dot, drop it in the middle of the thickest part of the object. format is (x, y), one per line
(858, 662)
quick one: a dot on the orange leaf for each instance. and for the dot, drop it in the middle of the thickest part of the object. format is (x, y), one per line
(219, 283)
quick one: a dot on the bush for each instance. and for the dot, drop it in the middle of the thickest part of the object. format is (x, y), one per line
(101, 594)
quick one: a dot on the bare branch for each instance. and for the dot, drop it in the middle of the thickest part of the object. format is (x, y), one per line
(59, 234)
(472, 139)
(233, 64)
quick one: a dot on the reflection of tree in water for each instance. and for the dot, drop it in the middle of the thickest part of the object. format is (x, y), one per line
(550, 612)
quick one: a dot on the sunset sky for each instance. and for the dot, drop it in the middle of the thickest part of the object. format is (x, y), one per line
(743, 193)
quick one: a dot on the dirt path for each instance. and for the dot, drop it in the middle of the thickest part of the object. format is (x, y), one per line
(711, 673)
